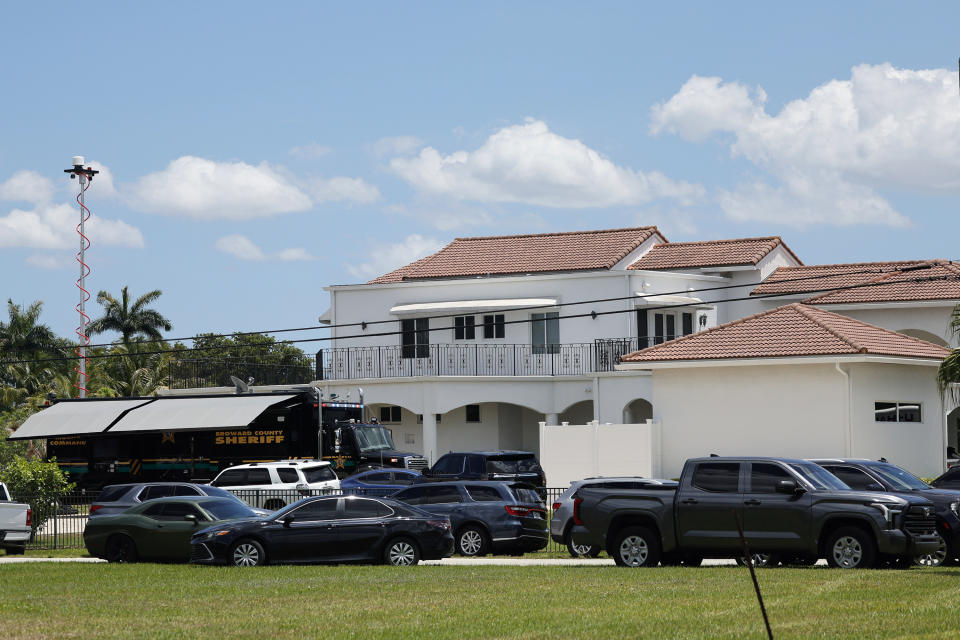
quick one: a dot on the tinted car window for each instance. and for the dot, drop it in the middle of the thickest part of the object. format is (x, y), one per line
(228, 510)
(525, 495)
(365, 509)
(319, 474)
(258, 476)
(483, 494)
(413, 495)
(288, 475)
(316, 510)
(154, 511)
(210, 490)
(155, 491)
(513, 464)
(177, 510)
(764, 477)
(112, 494)
(854, 477)
(182, 490)
(449, 464)
(475, 465)
(442, 495)
(721, 477)
(231, 478)
(403, 478)
(381, 477)
(950, 479)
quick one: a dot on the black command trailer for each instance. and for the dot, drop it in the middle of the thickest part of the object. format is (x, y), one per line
(192, 437)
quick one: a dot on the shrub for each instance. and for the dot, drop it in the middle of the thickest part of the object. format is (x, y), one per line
(40, 484)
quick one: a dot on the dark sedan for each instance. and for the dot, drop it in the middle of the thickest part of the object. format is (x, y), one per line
(497, 517)
(329, 529)
(117, 498)
(159, 529)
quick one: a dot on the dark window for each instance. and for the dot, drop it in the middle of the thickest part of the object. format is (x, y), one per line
(385, 414)
(415, 337)
(546, 332)
(257, 476)
(231, 478)
(390, 414)
(475, 465)
(154, 511)
(513, 464)
(288, 475)
(723, 477)
(473, 413)
(436, 416)
(156, 491)
(464, 328)
(619, 485)
(443, 495)
(896, 412)
(319, 474)
(182, 490)
(855, 478)
(671, 326)
(112, 494)
(657, 328)
(381, 477)
(764, 477)
(525, 495)
(325, 509)
(483, 494)
(642, 329)
(177, 510)
(413, 495)
(228, 510)
(687, 319)
(493, 326)
(403, 478)
(449, 464)
(361, 508)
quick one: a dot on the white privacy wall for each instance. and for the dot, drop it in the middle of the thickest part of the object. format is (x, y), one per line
(574, 452)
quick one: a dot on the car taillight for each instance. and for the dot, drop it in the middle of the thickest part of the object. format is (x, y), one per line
(94, 507)
(576, 511)
(556, 505)
(440, 524)
(29, 517)
(517, 511)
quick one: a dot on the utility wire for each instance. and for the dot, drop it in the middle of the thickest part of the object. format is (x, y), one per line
(591, 314)
(879, 270)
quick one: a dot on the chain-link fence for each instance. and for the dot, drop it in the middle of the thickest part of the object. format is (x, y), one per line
(59, 524)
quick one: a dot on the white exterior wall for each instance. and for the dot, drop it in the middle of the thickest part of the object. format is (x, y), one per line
(932, 318)
(574, 452)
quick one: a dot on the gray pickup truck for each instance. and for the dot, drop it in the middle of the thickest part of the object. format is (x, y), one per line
(14, 523)
(792, 509)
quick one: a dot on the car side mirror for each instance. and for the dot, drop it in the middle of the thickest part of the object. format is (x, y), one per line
(191, 518)
(874, 486)
(788, 486)
(287, 520)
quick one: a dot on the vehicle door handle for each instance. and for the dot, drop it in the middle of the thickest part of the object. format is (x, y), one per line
(689, 501)
(752, 502)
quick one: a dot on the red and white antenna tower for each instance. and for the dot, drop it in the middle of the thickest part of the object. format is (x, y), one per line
(85, 176)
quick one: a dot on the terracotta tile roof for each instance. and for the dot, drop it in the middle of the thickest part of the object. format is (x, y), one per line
(902, 287)
(537, 253)
(710, 253)
(811, 278)
(789, 331)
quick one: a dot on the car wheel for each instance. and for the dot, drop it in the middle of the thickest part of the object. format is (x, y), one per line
(121, 548)
(473, 542)
(401, 552)
(247, 553)
(938, 558)
(581, 550)
(761, 560)
(851, 548)
(636, 547)
(274, 505)
(16, 549)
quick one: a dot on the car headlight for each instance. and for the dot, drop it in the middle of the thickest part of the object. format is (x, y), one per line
(210, 535)
(890, 512)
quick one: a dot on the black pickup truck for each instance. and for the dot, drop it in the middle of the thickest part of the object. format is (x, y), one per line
(791, 508)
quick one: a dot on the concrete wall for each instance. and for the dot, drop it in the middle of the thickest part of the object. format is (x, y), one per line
(574, 452)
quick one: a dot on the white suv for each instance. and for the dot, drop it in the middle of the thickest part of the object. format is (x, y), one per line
(273, 485)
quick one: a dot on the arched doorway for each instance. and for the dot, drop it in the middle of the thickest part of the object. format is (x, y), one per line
(578, 413)
(637, 411)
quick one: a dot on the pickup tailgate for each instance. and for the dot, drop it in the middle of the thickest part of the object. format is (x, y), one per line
(13, 522)
(600, 512)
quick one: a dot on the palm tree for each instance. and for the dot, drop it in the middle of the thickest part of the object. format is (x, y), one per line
(948, 375)
(23, 334)
(130, 321)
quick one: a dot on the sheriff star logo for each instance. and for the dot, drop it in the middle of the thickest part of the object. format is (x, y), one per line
(167, 437)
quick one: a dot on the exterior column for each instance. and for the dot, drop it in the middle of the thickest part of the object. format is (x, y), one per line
(430, 435)
(552, 419)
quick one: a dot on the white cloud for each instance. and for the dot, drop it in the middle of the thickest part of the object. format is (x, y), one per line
(397, 146)
(51, 261)
(340, 189)
(243, 248)
(387, 257)
(102, 185)
(206, 189)
(312, 150)
(529, 164)
(884, 127)
(27, 186)
(53, 226)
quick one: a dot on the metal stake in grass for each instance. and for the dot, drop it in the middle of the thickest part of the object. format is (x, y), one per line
(753, 576)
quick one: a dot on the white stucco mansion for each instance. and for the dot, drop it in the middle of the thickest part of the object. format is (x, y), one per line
(473, 346)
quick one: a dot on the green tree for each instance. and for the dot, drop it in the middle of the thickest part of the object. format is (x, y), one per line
(948, 375)
(214, 358)
(130, 321)
(40, 484)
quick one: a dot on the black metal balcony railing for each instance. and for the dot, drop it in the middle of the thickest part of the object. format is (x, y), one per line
(396, 361)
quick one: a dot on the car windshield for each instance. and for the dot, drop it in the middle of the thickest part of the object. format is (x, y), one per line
(229, 510)
(901, 479)
(217, 492)
(372, 438)
(819, 477)
(513, 464)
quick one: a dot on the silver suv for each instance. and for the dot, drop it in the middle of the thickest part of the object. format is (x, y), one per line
(562, 520)
(274, 485)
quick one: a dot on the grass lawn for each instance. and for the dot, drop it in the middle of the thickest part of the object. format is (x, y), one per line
(65, 600)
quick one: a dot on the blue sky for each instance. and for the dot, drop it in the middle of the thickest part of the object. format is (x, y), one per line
(253, 153)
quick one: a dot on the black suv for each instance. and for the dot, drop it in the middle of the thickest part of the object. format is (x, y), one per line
(518, 466)
(880, 475)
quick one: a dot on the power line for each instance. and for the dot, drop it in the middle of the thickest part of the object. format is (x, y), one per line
(591, 314)
(878, 270)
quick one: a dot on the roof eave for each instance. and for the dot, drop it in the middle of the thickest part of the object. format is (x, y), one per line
(852, 358)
